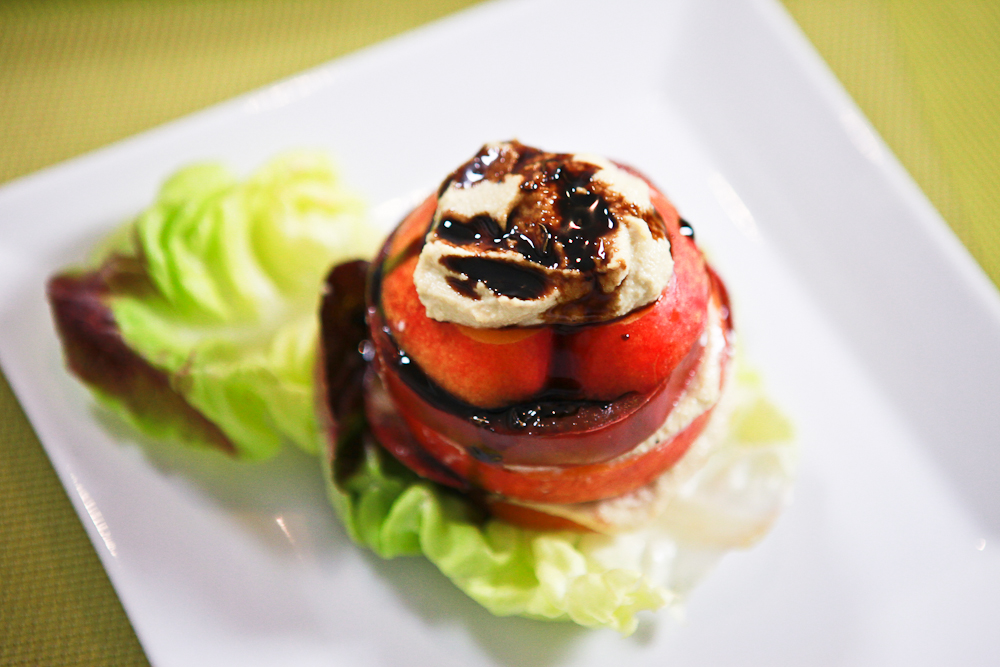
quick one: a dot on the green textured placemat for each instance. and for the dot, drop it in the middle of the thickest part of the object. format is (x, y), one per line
(57, 606)
(77, 75)
(927, 75)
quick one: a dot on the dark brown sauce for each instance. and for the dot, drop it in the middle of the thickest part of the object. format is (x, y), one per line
(490, 164)
(686, 229)
(581, 215)
(464, 286)
(562, 221)
(500, 277)
(465, 232)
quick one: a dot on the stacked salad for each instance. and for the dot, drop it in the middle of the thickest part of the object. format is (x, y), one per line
(235, 314)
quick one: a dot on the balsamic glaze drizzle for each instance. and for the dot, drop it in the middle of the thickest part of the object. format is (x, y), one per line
(586, 216)
(502, 278)
(562, 221)
(686, 229)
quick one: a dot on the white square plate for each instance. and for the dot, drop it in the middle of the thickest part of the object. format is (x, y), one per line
(874, 328)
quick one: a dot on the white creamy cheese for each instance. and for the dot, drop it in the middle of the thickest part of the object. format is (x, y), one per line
(625, 265)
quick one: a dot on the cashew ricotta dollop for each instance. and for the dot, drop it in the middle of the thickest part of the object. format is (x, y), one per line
(523, 237)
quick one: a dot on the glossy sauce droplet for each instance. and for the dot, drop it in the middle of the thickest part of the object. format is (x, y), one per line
(562, 221)
(686, 229)
(502, 278)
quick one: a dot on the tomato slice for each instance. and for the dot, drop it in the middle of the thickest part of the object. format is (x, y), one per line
(590, 433)
(466, 363)
(564, 483)
(393, 433)
(637, 352)
(405, 438)
(475, 369)
(533, 519)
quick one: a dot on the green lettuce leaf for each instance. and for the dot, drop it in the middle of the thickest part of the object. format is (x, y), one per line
(591, 579)
(508, 570)
(215, 288)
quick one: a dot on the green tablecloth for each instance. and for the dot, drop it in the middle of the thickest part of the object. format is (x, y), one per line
(77, 75)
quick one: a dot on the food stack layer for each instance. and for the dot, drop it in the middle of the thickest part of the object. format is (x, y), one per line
(545, 335)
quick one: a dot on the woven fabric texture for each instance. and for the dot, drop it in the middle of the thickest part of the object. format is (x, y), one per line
(76, 75)
(927, 75)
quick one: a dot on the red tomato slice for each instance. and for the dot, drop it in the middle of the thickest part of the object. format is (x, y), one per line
(475, 368)
(637, 353)
(394, 435)
(544, 484)
(533, 519)
(566, 483)
(594, 433)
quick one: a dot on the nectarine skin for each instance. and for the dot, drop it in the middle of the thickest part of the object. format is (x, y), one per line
(456, 467)
(536, 433)
(475, 369)
(638, 352)
(485, 374)
(430, 434)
